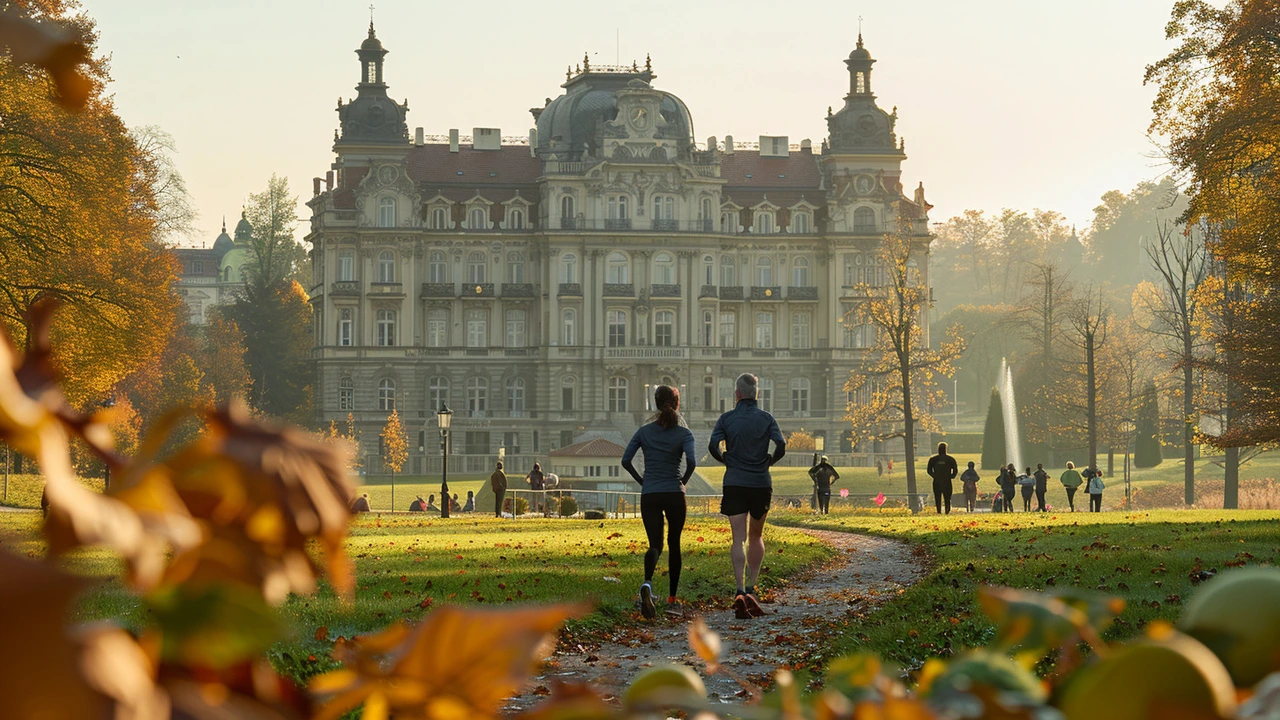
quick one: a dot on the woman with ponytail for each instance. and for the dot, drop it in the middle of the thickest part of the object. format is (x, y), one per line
(664, 442)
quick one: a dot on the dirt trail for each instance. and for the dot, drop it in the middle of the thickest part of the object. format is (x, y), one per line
(867, 571)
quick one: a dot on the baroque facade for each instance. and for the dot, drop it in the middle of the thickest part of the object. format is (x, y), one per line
(213, 276)
(541, 286)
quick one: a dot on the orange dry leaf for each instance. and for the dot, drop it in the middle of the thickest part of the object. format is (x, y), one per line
(53, 48)
(458, 663)
(705, 643)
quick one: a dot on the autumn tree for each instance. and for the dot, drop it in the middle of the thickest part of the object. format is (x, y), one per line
(223, 358)
(801, 440)
(1039, 318)
(1089, 318)
(395, 451)
(896, 383)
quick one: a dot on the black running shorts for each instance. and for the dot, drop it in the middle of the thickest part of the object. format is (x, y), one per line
(738, 500)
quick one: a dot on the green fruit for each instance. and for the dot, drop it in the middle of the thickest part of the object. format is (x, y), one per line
(1151, 678)
(1237, 615)
(665, 686)
(983, 668)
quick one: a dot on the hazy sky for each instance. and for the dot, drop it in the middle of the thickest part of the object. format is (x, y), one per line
(1003, 103)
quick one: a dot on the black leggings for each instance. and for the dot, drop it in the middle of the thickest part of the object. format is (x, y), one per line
(652, 507)
(824, 502)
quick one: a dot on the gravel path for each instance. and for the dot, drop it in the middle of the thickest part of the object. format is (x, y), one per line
(867, 571)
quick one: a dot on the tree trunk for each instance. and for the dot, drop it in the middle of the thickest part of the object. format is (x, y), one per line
(1188, 426)
(909, 436)
(1111, 461)
(1231, 477)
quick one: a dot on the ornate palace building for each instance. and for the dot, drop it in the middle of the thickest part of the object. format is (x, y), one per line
(542, 285)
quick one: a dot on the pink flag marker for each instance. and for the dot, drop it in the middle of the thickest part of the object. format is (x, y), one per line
(880, 500)
(844, 492)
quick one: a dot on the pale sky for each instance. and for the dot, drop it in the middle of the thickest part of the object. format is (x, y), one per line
(1003, 103)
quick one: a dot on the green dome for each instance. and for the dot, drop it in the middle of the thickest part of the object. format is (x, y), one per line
(244, 231)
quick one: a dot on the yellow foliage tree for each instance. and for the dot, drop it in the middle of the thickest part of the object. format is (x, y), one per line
(800, 440)
(395, 450)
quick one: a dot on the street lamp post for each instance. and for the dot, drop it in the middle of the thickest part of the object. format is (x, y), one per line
(106, 480)
(1129, 429)
(445, 417)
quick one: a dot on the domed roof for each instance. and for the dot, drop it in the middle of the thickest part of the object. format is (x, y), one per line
(244, 231)
(860, 52)
(223, 243)
(572, 125)
(372, 42)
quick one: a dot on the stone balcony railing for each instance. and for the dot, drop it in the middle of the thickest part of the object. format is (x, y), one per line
(731, 292)
(619, 290)
(617, 224)
(386, 289)
(802, 292)
(766, 293)
(664, 290)
(517, 290)
(707, 291)
(569, 290)
(477, 290)
(437, 290)
(345, 287)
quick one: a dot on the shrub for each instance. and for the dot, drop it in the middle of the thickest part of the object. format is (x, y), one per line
(521, 506)
(568, 506)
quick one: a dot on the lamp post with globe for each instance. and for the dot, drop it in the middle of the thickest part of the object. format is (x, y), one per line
(445, 418)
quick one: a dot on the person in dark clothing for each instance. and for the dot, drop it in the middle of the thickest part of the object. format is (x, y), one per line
(418, 505)
(498, 483)
(1094, 487)
(360, 504)
(470, 505)
(665, 442)
(1071, 480)
(535, 478)
(1008, 486)
(431, 504)
(969, 483)
(1027, 484)
(1042, 487)
(748, 487)
(942, 468)
(453, 504)
(823, 475)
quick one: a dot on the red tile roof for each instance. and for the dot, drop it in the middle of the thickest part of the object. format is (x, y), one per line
(598, 448)
(747, 169)
(435, 165)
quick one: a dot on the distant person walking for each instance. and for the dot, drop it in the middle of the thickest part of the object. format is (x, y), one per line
(665, 442)
(942, 468)
(1042, 487)
(1094, 486)
(748, 487)
(969, 483)
(360, 504)
(1027, 484)
(498, 483)
(470, 504)
(537, 482)
(823, 475)
(1008, 486)
(1071, 480)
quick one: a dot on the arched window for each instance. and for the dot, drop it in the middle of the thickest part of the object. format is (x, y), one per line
(664, 207)
(617, 269)
(664, 269)
(437, 267)
(437, 393)
(386, 328)
(569, 320)
(515, 397)
(476, 267)
(567, 212)
(664, 324)
(515, 328)
(864, 220)
(618, 207)
(569, 268)
(438, 327)
(386, 266)
(226, 274)
(386, 394)
(764, 394)
(764, 222)
(800, 325)
(728, 222)
(617, 394)
(476, 219)
(346, 266)
(728, 271)
(800, 222)
(764, 272)
(515, 219)
(708, 328)
(515, 267)
(346, 394)
(705, 216)
(477, 396)
(346, 327)
(800, 272)
(617, 326)
(800, 396)
(567, 386)
(708, 270)
(387, 212)
(439, 219)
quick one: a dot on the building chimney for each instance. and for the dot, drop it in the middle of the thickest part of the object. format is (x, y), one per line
(712, 147)
(418, 136)
(486, 139)
(328, 180)
(806, 146)
(728, 144)
(315, 186)
(453, 140)
(533, 142)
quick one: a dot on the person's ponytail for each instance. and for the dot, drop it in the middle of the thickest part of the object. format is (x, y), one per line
(667, 400)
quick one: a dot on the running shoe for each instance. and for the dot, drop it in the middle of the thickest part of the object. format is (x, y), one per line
(647, 608)
(753, 603)
(740, 608)
(674, 609)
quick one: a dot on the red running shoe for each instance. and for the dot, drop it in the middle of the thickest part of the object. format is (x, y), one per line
(740, 608)
(753, 606)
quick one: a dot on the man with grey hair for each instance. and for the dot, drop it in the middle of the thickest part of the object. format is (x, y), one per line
(745, 432)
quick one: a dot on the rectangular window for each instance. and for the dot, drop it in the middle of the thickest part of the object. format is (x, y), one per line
(346, 266)
(664, 328)
(346, 328)
(617, 328)
(728, 330)
(511, 441)
(346, 398)
(566, 398)
(437, 329)
(515, 328)
(800, 331)
(566, 438)
(386, 328)
(477, 330)
(764, 330)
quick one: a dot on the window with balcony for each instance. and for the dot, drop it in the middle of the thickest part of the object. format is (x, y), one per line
(569, 323)
(764, 330)
(708, 329)
(386, 328)
(618, 208)
(437, 393)
(569, 268)
(617, 269)
(763, 222)
(346, 394)
(477, 328)
(386, 267)
(387, 212)
(477, 396)
(437, 267)
(705, 215)
(515, 397)
(476, 219)
(476, 268)
(515, 267)
(664, 207)
(708, 270)
(387, 394)
(728, 330)
(800, 222)
(664, 269)
(664, 323)
(515, 328)
(346, 327)
(346, 266)
(800, 272)
(567, 211)
(728, 271)
(800, 396)
(617, 327)
(764, 272)
(864, 220)
(764, 394)
(438, 328)
(439, 219)
(800, 324)
(617, 394)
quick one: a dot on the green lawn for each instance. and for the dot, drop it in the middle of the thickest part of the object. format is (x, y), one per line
(1144, 557)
